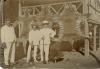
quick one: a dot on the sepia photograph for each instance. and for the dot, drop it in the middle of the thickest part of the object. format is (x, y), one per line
(49, 34)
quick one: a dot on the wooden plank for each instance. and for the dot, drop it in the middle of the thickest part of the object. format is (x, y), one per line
(79, 6)
(86, 40)
(94, 38)
(85, 11)
(55, 3)
(37, 10)
(60, 8)
(53, 9)
(99, 38)
(86, 47)
(93, 21)
(49, 10)
(66, 5)
(33, 10)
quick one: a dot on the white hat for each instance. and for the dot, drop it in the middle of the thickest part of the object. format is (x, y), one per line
(45, 22)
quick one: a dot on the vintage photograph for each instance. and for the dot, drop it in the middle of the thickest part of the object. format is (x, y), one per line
(49, 34)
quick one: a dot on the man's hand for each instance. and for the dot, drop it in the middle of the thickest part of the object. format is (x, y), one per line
(4, 45)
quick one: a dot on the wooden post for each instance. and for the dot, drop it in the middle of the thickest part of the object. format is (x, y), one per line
(2, 10)
(86, 40)
(85, 11)
(19, 15)
(99, 38)
(19, 29)
(94, 38)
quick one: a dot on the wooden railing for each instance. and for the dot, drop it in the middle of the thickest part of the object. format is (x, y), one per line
(51, 8)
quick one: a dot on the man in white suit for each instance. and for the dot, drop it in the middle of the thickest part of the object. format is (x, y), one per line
(34, 38)
(8, 39)
(47, 35)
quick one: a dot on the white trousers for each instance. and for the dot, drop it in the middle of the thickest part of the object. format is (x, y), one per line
(44, 49)
(9, 53)
(29, 52)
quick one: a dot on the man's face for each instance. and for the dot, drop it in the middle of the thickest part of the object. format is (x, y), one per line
(45, 26)
(34, 27)
(8, 23)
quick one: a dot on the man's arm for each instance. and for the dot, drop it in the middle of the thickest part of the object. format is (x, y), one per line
(14, 35)
(30, 38)
(2, 35)
(3, 38)
(52, 33)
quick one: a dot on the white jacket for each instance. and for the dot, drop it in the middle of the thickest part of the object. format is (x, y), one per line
(46, 33)
(34, 36)
(7, 34)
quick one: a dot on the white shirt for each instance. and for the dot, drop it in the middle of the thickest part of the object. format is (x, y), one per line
(34, 36)
(46, 34)
(7, 34)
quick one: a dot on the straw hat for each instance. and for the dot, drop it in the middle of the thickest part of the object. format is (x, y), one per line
(45, 22)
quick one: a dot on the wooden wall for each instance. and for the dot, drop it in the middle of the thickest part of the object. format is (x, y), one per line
(11, 9)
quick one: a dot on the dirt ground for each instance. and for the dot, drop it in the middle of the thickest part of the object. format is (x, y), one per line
(72, 60)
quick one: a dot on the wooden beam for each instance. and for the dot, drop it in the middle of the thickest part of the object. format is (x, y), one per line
(33, 10)
(85, 11)
(99, 38)
(85, 7)
(94, 21)
(60, 8)
(66, 6)
(53, 9)
(50, 5)
(49, 10)
(94, 38)
(57, 3)
(37, 10)
(86, 40)
(79, 6)
(95, 9)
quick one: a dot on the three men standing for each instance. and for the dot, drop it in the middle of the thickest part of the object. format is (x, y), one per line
(8, 39)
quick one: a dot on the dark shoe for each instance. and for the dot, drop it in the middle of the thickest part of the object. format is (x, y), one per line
(40, 62)
(45, 62)
(12, 64)
(29, 63)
